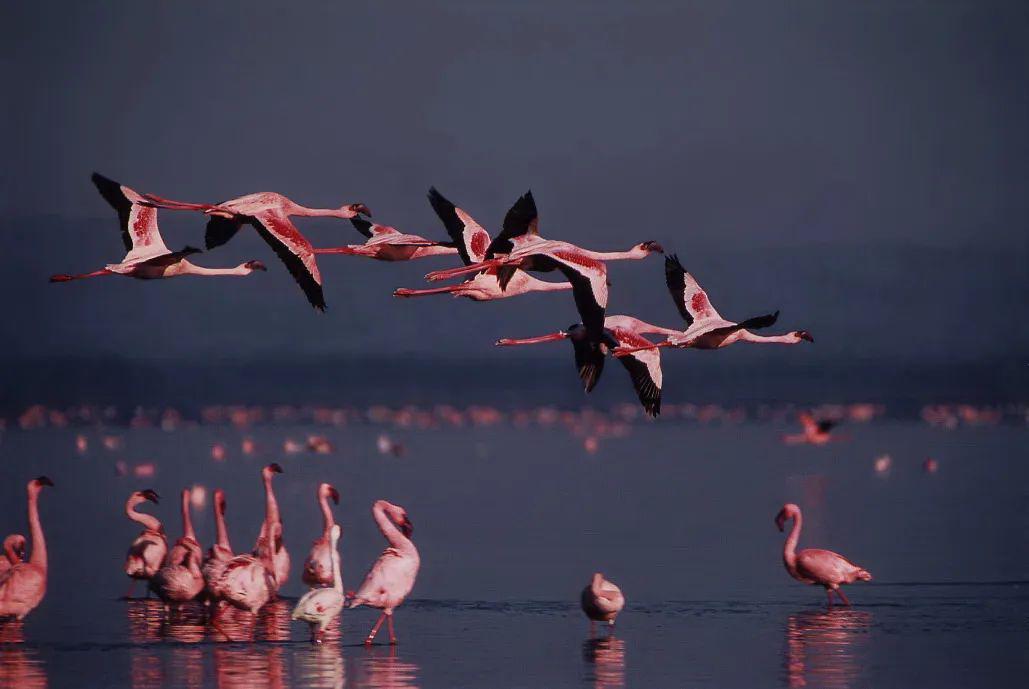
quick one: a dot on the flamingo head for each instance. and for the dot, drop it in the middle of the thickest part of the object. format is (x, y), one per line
(650, 247)
(272, 468)
(398, 515)
(219, 500)
(37, 483)
(802, 335)
(333, 493)
(788, 511)
(255, 265)
(15, 544)
(352, 210)
(151, 495)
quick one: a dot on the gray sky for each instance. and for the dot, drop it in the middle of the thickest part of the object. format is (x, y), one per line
(840, 133)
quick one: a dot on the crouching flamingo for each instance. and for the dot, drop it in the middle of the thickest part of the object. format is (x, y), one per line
(601, 600)
(321, 561)
(23, 586)
(148, 549)
(392, 576)
(815, 566)
(14, 551)
(320, 606)
(180, 579)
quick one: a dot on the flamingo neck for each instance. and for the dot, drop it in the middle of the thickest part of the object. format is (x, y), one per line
(187, 519)
(149, 522)
(395, 537)
(747, 336)
(222, 532)
(327, 519)
(320, 212)
(632, 254)
(789, 549)
(38, 556)
(337, 575)
(192, 269)
(271, 506)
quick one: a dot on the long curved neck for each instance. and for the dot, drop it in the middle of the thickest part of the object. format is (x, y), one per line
(149, 522)
(337, 575)
(271, 507)
(193, 269)
(789, 549)
(187, 519)
(389, 529)
(327, 519)
(38, 557)
(631, 254)
(319, 212)
(747, 336)
(222, 532)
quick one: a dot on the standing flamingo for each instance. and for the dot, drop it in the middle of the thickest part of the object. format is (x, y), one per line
(180, 579)
(148, 258)
(14, 552)
(220, 553)
(319, 565)
(602, 600)
(148, 550)
(23, 586)
(815, 566)
(248, 581)
(392, 576)
(389, 244)
(271, 516)
(473, 244)
(320, 606)
(644, 365)
(269, 213)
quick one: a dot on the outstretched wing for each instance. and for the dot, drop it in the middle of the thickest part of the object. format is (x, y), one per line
(139, 231)
(758, 322)
(468, 236)
(521, 219)
(689, 297)
(589, 360)
(294, 250)
(644, 367)
(383, 234)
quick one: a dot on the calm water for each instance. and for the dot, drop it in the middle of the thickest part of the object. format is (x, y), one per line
(510, 524)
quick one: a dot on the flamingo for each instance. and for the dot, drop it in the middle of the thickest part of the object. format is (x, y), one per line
(320, 606)
(14, 551)
(248, 581)
(392, 576)
(148, 258)
(271, 516)
(813, 432)
(180, 579)
(644, 366)
(705, 328)
(148, 549)
(319, 565)
(815, 566)
(220, 553)
(601, 600)
(473, 244)
(269, 213)
(23, 586)
(389, 244)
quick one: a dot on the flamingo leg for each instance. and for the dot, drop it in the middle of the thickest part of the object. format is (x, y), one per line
(437, 275)
(216, 621)
(159, 202)
(828, 594)
(132, 588)
(375, 629)
(508, 342)
(843, 597)
(348, 250)
(62, 277)
(392, 635)
(405, 292)
(626, 351)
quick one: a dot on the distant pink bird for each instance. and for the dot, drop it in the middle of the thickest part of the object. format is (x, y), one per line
(149, 548)
(813, 431)
(389, 244)
(602, 600)
(180, 579)
(814, 566)
(148, 258)
(279, 555)
(392, 576)
(269, 213)
(14, 552)
(473, 242)
(318, 567)
(23, 586)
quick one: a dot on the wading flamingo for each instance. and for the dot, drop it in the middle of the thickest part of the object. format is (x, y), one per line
(269, 213)
(392, 576)
(148, 258)
(705, 328)
(473, 244)
(319, 565)
(180, 579)
(23, 586)
(644, 365)
(14, 551)
(279, 555)
(247, 582)
(148, 550)
(389, 244)
(220, 552)
(602, 600)
(815, 566)
(320, 606)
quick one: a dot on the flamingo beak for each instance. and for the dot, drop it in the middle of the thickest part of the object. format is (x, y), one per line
(152, 496)
(44, 481)
(275, 468)
(334, 494)
(406, 527)
(361, 208)
(780, 521)
(805, 335)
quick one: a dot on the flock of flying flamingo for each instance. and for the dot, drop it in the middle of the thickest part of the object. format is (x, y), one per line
(496, 268)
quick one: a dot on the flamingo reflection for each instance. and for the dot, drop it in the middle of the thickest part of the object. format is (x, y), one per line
(826, 648)
(380, 667)
(155, 666)
(606, 660)
(320, 666)
(250, 667)
(19, 666)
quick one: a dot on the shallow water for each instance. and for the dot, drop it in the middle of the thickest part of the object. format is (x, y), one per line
(510, 524)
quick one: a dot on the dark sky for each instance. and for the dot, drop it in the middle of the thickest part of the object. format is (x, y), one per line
(863, 166)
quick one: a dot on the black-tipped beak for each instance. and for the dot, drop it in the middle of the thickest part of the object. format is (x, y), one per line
(334, 494)
(805, 335)
(362, 209)
(780, 521)
(275, 468)
(256, 265)
(406, 527)
(152, 496)
(44, 481)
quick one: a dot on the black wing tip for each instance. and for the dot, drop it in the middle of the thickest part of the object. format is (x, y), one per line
(362, 225)
(672, 263)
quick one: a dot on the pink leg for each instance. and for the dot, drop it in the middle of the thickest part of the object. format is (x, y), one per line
(132, 588)
(62, 277)
(405, 292)
(437, 275)
(392, 635)
(843, 597)
(348, 250)
(510, 342)
(216, 621)
(828, 594)
(375, 629)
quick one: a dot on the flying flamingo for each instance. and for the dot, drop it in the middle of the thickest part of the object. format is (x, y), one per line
(814, 566)
(148, 258)
(147, 552)
(473, 244)
(23, 586)
(14, 552)
(644, 365)
(319, 565)
(320, 606)
(271, 516)
(220, 552)
(392, 576)
(705, 328)
(813, 432)
(602, 600)
(269, 213)
(389, 244)
(180, 579)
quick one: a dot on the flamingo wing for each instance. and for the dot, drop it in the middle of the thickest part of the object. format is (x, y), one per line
(521, 219)
(139, 230)
(588, 278)
(293, 250)
(468, 236)
(690, 299)
(644, 367)
(382, 234)
(825, 566)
